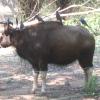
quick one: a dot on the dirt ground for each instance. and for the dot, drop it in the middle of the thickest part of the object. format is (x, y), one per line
(63, 83)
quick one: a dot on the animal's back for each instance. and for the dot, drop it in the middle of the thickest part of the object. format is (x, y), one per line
(55, 43)
(67, 43)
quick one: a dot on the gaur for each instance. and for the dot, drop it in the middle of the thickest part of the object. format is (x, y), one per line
(51, 42)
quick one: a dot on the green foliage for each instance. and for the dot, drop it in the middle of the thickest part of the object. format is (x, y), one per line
(72, 21)
(27, 6)
(93, 20)
(94, 23)
(47, 9)
(91, 3)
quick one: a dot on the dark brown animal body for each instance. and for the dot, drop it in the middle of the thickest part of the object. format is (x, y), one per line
(52, 42)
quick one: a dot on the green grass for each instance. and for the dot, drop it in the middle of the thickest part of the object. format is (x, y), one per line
(90, 87)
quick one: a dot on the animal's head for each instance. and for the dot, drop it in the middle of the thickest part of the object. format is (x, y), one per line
(6, 26)
(7, 30)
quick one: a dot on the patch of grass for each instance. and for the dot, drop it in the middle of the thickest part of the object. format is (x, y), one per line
(90, 87)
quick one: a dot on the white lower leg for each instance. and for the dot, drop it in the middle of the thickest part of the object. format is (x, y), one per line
(43, 77)
(88, 73)
(35, 83)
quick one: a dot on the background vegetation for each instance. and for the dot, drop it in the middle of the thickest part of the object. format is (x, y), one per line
(89, 10)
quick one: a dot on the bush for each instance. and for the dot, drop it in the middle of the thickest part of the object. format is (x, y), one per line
(93, 20)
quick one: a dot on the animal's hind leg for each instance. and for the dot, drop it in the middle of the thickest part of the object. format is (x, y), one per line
(85, 61)
(88, 73)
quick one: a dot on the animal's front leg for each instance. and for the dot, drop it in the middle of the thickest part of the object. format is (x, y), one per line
(35, 83)
(43, 77)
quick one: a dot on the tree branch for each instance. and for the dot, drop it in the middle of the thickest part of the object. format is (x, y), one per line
(72, 6)
(73, 14)
(30, 18)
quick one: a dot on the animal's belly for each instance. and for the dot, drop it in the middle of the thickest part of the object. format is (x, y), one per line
(62, 60)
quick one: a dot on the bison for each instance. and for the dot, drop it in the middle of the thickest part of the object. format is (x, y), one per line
(51, 42)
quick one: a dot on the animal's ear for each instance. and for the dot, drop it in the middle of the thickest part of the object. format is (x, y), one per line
(21, 25)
